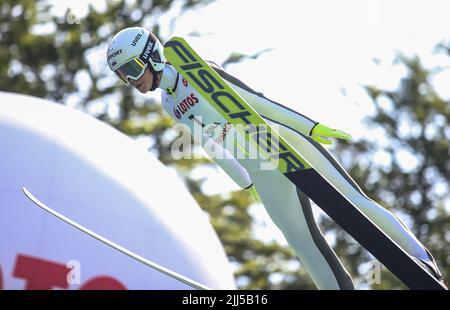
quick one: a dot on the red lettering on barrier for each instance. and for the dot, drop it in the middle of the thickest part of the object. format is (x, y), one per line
(103, 283)
(1, 279)
(40, 274)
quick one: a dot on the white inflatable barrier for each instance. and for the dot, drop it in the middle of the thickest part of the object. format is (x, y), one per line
(102, 179)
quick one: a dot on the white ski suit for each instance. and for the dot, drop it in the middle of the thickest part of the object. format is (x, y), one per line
(287, 206)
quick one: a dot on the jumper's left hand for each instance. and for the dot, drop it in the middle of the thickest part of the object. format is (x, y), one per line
(321, 133)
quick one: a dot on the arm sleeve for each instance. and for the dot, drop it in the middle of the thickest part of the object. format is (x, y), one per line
(269, 109)
(280, 114)
(221, 156)
(227, 162)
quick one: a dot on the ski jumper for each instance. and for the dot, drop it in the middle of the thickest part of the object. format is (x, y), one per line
(286, 205)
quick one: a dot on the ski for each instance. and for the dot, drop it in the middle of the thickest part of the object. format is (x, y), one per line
(258, 132)
(115, 246)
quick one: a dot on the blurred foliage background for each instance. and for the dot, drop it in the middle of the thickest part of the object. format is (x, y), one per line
(51, 57)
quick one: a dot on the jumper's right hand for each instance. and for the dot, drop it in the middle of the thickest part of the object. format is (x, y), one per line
(322, 133)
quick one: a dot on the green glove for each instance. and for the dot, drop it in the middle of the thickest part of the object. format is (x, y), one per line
(252, 191)
(321, 133)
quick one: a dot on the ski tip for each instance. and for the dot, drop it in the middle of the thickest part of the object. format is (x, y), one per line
(27, 193)
(176, 38)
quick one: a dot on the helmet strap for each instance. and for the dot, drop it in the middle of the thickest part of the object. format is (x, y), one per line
(155, 81)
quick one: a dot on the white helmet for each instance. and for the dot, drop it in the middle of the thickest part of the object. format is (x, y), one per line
(132, 50)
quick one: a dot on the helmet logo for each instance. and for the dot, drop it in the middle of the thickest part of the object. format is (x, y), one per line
(136, 39)
(147, 51)
(155, 56)
(118, 52)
